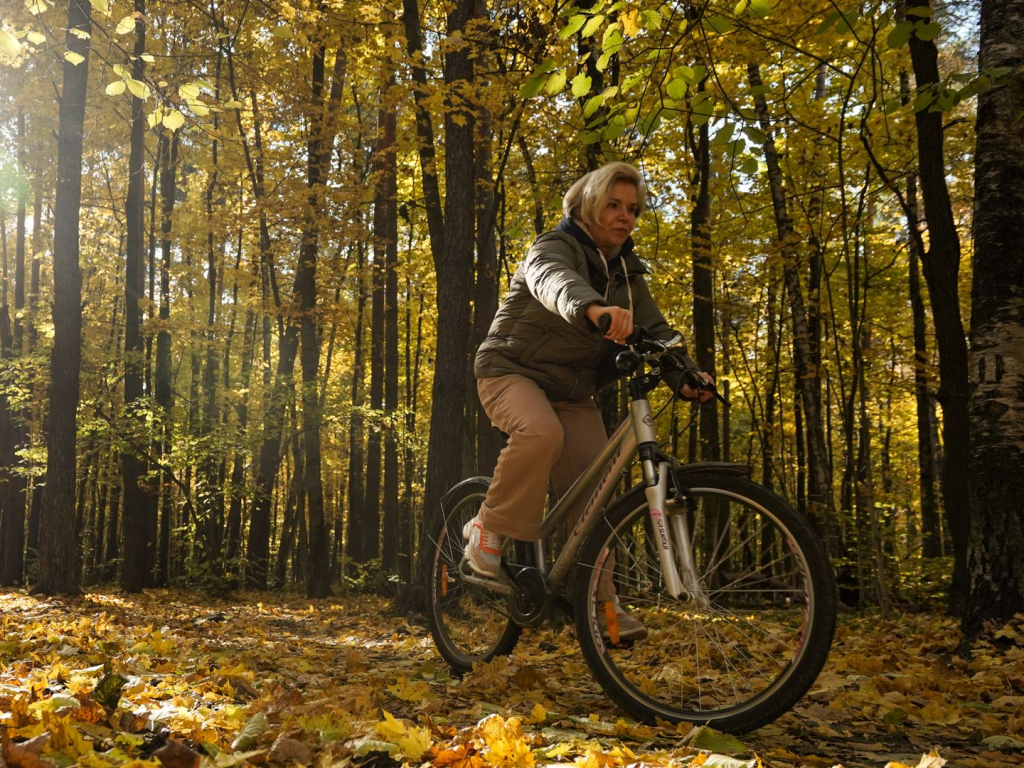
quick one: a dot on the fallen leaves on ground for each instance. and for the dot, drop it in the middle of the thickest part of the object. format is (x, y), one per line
(171, 680)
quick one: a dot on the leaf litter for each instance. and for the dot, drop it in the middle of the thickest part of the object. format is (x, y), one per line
(173, 680)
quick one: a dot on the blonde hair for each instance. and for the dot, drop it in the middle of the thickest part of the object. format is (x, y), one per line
(588, 196)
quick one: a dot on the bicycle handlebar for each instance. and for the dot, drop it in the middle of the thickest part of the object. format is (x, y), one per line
(649, 348)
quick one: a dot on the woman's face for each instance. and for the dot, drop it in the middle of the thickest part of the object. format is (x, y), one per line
(616, 221)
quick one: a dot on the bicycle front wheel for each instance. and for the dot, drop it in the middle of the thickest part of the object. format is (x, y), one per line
(469, 623)
(745, 643)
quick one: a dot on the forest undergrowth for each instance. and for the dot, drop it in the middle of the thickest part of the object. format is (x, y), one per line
(172, 679)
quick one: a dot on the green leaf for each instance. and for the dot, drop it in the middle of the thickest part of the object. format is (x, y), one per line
(846, 21)
(591, 26)
(828, 22)
(900, 34)
(699, 73)
(924, 98)
(676, 88)
(575, 25)
(713, 741)
(603, 61)
(116, 88)
(651, 20)
(108, 688)
(532, 86)
(35, 7)
(650, 123)
(928, 31)
(1005, 743)
(719, 24)
(126, 25)
(684, 72)
(892, 105)
(255, 728)
(100, 6)
(81, 34)
(724, 135)
(148, 58)
(749, 166)
(921, 11)
(615, 128)
(555, 84)
(895, 717)
(173, 120)
(593, 104)
(36, 38)
(74, 58)
(9, 44)
(760, 9)
(581, 85)
(233, 104)
(155, 117)
(741, 6)
(755, 135)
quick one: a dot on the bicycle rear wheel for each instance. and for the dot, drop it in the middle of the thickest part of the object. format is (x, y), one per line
(750, 642)
(469, 623)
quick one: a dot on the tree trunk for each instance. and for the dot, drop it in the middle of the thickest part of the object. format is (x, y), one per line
(163, 374)
(354, 546)
(12, 528)
(56, 525)
(454, 274)
(318, 583)
(489, 441)
(941, 266)
(137, 547)
(369, 527)
(819, 495)
(703, 290)
(424, 128)
(996, 533)
(388, 195)
(210, 489)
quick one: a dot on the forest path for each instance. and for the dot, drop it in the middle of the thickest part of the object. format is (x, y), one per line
(342, 682)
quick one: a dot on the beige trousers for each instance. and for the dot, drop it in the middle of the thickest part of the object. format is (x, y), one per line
(545, 439)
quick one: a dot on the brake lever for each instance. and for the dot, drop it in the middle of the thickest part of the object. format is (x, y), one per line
(698, 382)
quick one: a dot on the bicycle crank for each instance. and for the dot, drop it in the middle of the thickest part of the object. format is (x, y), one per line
(528, 604)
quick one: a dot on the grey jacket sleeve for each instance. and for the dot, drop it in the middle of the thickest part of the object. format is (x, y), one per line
(646, 312)
(553, 278)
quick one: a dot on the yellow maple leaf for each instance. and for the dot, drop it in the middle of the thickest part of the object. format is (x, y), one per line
(412, 742)
(410, 690)
(506, 745)
(537, 715)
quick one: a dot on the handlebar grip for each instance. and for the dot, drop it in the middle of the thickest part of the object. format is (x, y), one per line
(604, 322)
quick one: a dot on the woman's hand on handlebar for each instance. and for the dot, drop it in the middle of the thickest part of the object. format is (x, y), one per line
(701, 393)
(617, 327)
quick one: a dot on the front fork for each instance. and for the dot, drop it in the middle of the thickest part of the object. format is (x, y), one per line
(672, 539)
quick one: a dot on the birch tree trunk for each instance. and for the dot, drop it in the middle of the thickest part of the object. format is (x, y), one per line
(996, 533)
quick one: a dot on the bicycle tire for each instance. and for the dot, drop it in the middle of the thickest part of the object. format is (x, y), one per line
(469, 623)
(752, 649)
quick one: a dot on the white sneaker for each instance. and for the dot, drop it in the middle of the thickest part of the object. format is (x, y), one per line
(483, 548)
(617, 626)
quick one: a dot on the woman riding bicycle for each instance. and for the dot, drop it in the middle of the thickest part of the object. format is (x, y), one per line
(544, 358)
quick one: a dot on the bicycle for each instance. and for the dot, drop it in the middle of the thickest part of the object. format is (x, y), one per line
(733, 585)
